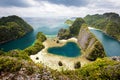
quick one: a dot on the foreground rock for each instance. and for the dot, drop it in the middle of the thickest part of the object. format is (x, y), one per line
(116, 58)
(89, 44)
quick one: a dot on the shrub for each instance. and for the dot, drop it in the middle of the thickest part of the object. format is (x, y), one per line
(60, 63)
(77, 65)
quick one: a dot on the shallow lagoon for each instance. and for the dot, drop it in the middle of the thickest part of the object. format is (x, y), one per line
(70, 49)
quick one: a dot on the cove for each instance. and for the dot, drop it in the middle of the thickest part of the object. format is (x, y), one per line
(49, 26)
(70, 49)
(111, 46)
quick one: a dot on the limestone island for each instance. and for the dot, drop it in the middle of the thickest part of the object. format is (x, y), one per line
(74, 54)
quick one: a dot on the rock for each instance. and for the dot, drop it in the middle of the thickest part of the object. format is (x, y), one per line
(89, 44)
(116, 58)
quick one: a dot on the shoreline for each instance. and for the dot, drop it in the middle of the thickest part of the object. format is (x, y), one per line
(52, 60)
(90, 28)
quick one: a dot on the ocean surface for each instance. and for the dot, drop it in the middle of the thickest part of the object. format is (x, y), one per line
(50, 27)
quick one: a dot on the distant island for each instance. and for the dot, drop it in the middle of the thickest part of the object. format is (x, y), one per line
(13, 27)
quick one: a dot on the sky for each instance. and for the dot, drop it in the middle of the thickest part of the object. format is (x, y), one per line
(57, 8)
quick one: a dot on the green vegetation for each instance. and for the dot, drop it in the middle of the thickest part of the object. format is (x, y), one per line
(64, 34)
(75, 28)
(108, 23)
(37, 46)
(90, 46)
(13, 27)
(101, 69)
(69, 22)
(72, 31)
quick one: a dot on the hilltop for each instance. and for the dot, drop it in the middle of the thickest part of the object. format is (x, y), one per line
(13, 27)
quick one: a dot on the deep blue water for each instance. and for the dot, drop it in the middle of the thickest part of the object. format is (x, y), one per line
(111, 46)
(70, 49)
(50, 27)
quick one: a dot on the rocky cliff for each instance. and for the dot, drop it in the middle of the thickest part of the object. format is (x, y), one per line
(90, 45)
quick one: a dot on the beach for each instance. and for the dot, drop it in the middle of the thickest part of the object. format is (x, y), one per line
(52, 60)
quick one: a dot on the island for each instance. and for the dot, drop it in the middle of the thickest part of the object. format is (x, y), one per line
(37, 63)
(13, 27)
(109, 23)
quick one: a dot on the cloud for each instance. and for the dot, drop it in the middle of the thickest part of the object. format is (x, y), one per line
(14, 3)
(68, 3)
(57, 8)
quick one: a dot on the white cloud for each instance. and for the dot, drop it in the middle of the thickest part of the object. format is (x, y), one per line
(46, 9)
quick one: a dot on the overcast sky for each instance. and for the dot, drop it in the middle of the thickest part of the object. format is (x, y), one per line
(57, 8)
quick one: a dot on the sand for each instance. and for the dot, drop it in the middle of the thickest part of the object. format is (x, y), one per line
(52, 60)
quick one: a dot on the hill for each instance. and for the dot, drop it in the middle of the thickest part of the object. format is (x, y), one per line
(13, 27)
(109, 23)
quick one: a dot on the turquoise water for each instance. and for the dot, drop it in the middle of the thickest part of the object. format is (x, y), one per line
(111, 46)
(50, 27)
(70, 49)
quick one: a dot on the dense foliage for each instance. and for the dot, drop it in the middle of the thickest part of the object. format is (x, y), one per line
(75, 28)
(13, 27)
(64, 34)
(101, 69)
(108, 23)
(72, 31)
(37, 46)
(69, 22)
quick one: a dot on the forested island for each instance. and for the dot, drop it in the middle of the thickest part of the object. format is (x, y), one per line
(13, 27)
(109, 23)
(17, 64)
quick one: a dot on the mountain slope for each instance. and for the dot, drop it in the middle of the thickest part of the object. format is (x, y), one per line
(108, 23)
(13, 27)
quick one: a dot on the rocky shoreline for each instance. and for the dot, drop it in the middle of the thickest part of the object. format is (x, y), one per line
(116, 58)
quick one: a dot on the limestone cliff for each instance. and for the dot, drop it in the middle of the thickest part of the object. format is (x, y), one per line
(90, 46)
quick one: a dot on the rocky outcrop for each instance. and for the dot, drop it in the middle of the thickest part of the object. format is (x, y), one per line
(115, 58)
(89, 44)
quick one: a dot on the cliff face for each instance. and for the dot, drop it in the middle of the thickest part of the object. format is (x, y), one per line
(13, 27)
(89, 44)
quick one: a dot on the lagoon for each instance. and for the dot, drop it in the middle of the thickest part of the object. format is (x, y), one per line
(70, 49)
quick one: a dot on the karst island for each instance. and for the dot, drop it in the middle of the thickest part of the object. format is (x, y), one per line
(59, 40)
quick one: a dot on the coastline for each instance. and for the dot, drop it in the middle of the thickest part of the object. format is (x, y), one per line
(90, 28)
(52, 60)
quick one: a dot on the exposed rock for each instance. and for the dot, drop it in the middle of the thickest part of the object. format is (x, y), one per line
(89, 44)
(116, 58)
